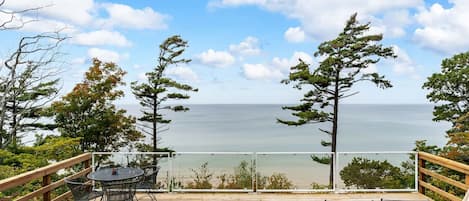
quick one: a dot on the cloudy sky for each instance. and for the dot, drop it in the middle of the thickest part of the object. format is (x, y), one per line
(241, 49)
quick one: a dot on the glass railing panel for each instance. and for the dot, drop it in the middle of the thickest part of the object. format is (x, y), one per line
(278, 171)
(391, 171)
(212, 171)
(143, 160)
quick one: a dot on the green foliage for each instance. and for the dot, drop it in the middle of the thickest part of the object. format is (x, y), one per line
(24, 158)
(345, 59)
(241, 179)
(278, 181)
(88, 111)
(457, 147)
(363, 173)
(27, 84)
(158, 88)
(450, 88)
(202, 177)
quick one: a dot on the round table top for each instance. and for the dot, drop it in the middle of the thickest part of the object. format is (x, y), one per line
(122, 174)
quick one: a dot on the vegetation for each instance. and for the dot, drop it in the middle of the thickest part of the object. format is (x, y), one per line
(345, 59)
(27, 84)
(88, 111)
(364, 173)
(158, 88)
(450, 90)
(242, 178)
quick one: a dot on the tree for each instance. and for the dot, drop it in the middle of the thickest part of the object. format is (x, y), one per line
(158, 88)
(28, 83)
(11, 19)
(345, 59)
(363, 173)
(457, 147)
(450, 89)
(88, 111)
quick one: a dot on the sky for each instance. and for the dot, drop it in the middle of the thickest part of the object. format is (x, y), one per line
(241, 49)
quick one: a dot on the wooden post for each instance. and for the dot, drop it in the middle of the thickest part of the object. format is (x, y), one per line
(421, 177)
(46, 180)
(467, 179)
(86, 164)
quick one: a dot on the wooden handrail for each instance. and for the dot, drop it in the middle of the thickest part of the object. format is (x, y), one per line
(45, 173)
(444, 162)
(460, 167)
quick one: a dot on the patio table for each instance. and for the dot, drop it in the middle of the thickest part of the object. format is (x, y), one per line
(105, 175)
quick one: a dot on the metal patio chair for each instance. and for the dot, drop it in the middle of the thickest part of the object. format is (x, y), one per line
(82, 189)
(148, 180)
(120, 190)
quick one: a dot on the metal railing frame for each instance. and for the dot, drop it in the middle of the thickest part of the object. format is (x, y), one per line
(254, 159)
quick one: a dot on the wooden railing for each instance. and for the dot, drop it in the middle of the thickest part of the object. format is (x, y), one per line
(45, 173)
(453, 165)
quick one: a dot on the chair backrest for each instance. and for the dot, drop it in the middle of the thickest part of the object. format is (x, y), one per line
(120, 190)
(148, 179)
(80, 188)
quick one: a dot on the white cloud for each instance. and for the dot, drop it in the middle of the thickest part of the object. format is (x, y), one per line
(295, 35)
(136, 66)
(278, 68)
(444, 30)
(284, 64)
(104, 55)
(127, 17)
(77, 12)
(142, 76)
(101, 37)
(261, 72)
(78, 61)
(324, 19)
(216, 58)
(183, 73)
(248, 47)
(371, 69)
(403, 64)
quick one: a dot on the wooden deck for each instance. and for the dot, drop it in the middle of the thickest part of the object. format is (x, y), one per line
(284, 196)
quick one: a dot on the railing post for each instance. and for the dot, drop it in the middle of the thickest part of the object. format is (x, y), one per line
(86, 164)
(467, 179)
(421, 164)
(46, 180)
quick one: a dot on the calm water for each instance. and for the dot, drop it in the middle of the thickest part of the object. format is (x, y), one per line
(254, 128)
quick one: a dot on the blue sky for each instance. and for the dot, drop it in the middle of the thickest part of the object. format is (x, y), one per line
(241, 49)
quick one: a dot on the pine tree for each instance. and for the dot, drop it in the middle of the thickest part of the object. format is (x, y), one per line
(27, 85)
(158, 88)
(345, 59)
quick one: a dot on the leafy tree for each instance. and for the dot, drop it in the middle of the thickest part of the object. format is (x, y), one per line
(457, 147)
(363, 173)
(88, 111)
(158, 88)
(345, 59)
(450, 89)
(27, 83)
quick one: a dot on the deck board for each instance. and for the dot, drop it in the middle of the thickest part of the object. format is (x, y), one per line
(284, 196)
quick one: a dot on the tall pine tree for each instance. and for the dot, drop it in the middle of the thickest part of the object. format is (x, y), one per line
(158, 88)
(345, 59)
(27, 84)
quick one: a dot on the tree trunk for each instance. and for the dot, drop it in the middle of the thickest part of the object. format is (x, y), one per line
(14, 122)
(334, 129)
(155, 115)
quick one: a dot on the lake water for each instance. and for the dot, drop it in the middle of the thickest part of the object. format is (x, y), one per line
(254, 128)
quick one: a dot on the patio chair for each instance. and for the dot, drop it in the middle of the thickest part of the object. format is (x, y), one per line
(120, 190)
(148, 180)
(82, 189)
